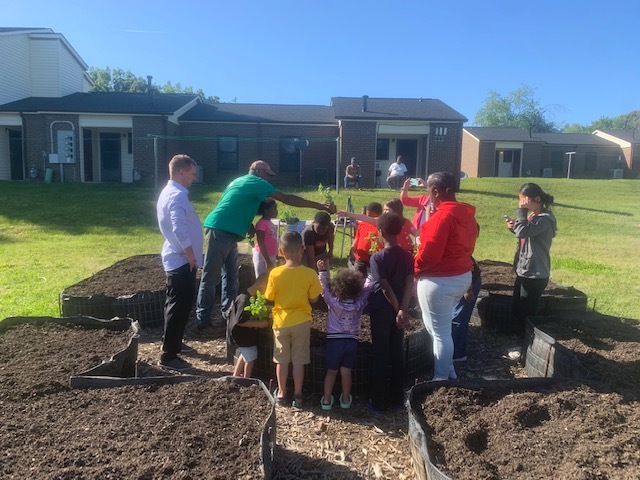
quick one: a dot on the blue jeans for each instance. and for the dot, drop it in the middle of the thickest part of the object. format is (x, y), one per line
(220, 265)
(358, 181)
(461, 317)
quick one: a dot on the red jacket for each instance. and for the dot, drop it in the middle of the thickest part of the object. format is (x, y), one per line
(447, 241)
(420, 203)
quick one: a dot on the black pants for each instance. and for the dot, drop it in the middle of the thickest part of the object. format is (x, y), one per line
(387, 376)
(526, 297)
(181, 295)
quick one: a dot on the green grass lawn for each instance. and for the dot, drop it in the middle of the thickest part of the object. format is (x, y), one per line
(53, 235)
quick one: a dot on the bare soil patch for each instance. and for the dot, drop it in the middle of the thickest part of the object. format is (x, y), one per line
(606, 345)
(499, 277)
(184, 431)
(564, 431)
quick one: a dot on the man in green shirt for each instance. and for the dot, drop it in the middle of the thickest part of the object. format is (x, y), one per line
(227, 224)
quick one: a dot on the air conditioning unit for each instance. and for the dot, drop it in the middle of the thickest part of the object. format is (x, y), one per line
(617, 173)
(547, 172)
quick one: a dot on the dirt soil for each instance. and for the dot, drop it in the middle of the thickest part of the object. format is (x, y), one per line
(567, 431)
(606, 345)
(48, 430)
(356, 443)
(499, 277)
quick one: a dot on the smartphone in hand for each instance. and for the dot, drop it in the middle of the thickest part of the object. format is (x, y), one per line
(414, 182)
(507, 218)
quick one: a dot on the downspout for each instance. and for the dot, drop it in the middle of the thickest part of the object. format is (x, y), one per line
(23, 146)
(337, 165)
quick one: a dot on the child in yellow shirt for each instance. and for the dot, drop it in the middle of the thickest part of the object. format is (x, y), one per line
(292, 287)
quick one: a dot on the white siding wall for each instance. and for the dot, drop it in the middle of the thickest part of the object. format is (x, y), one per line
(15, 81)
(5, 164)
(71, 74)
(45, 67)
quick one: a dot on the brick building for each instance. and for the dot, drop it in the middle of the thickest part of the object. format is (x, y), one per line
(514, 152)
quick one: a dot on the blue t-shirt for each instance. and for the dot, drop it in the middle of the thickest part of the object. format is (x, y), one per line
(239, 204)
(394, 264)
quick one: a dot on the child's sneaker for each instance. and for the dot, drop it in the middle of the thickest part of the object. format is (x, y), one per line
(343, 404)
(298, 400)
(328, 406)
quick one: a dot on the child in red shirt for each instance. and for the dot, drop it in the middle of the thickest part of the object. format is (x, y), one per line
(366, 235)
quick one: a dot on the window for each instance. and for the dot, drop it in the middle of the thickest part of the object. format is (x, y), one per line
(590, 162)
(289, 155)
(228, 153)
(382, 149)
(557, 162)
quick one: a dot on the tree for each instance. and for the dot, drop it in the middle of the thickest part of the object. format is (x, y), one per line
(519, 108)
(627, 121)
(117, 80)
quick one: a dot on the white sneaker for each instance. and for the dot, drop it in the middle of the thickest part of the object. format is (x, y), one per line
(514, 354)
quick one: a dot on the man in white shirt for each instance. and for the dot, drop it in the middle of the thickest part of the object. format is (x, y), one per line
(396, 174)
(181, 257)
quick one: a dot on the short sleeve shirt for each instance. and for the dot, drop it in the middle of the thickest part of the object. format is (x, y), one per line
(290, 289)
(270, 236)
(239, 204)
(393, 264)
(317, 241)
(364, 235)
(397, 169)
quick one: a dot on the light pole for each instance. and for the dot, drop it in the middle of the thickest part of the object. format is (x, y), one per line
(571, 154)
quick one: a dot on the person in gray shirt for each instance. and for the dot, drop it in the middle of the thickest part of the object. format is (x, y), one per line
(534, 227)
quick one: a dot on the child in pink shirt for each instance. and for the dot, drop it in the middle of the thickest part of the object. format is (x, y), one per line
(266, 251)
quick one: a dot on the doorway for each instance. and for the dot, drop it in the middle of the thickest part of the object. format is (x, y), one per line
(408, 148)
(110, 157)
(15, 154)
(507, 163)
(87, 148)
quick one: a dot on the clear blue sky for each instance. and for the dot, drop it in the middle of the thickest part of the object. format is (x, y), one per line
(581, 56)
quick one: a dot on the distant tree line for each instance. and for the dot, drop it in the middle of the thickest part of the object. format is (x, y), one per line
(118, 80)
(522, 109)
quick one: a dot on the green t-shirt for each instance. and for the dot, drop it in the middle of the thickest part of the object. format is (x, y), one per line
(239, 204)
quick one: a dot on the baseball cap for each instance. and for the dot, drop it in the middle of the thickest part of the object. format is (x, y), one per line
(261, 165)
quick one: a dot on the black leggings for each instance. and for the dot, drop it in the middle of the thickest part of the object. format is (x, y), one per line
(526, 297)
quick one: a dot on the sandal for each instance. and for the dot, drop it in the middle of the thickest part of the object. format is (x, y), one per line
(297, 401)
(279, 400)
(326, 406)
(345, 405)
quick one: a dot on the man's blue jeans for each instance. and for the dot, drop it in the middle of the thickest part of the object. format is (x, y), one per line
(220, 265)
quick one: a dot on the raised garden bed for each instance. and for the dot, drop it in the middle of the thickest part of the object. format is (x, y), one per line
(522, 429)
(133, 287)
(417, 355)
(200, 429)
(494, 304)
(587, 346)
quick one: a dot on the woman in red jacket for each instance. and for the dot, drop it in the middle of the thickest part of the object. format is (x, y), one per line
(443, 266)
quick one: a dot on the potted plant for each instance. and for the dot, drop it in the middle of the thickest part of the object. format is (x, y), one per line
(288, 215)
(257, 307)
